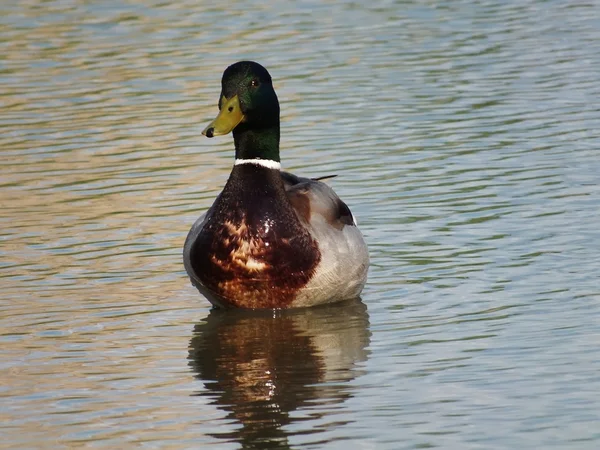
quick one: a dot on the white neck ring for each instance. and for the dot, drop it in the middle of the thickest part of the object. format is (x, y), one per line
(268, 163)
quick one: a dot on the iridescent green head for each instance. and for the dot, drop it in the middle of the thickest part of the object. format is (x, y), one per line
(247, 100)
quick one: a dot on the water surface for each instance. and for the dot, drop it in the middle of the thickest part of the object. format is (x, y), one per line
(465, 137)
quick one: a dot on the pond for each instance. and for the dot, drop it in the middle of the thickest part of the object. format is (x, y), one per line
(465, 137)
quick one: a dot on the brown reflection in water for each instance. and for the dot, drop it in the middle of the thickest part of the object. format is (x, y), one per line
(261, 366)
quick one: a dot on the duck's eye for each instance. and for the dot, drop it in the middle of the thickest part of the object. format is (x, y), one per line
(254, 82)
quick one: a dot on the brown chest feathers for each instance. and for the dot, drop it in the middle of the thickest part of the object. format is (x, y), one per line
(254, 264)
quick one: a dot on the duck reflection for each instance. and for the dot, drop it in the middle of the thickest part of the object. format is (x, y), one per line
(262, 365)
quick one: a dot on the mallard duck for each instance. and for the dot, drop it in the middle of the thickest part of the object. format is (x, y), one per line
(271, 239)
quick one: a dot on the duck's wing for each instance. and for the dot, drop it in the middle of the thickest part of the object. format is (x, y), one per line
(310, 196)
(344, 257)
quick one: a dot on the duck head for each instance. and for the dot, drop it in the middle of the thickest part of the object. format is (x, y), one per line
(247, 102)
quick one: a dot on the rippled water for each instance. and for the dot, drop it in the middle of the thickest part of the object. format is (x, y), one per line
(466, 140)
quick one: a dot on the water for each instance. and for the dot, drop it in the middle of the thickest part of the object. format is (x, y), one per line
(465, 136)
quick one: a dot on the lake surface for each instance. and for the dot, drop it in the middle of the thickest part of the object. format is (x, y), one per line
(466, 139)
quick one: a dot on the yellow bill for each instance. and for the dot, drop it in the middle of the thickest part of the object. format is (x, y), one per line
(229, 117)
